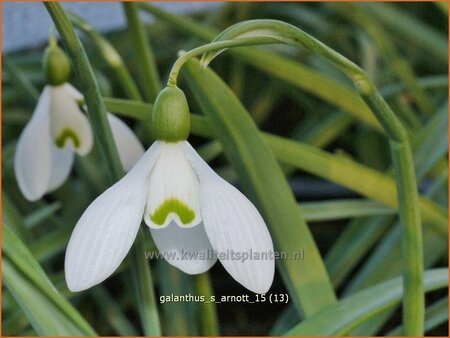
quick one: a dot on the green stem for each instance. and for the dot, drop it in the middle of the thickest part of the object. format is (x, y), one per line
(97, 116)
(172, 81)
(413, 301)
(208, 314)
(412, 243)
(110, 55)
(144, 293)
(279, 32)
(143, 54)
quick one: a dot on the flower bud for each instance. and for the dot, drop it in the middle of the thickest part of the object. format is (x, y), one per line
(170, 119)
(56, 66)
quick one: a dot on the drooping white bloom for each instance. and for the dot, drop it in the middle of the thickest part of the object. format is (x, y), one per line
(57, 130)
(190, 211)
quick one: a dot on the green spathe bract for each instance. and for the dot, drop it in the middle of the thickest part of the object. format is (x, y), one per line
(170, 118)
(170, 205)
(56, 66)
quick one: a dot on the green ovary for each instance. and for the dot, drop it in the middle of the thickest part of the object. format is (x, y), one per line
(65, 134)
(185, 214)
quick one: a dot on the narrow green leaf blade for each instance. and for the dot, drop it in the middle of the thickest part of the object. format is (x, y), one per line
(45, 318)
(411, 29)
(48, 312)
(352, 175)
(341, 317)
(339, 209)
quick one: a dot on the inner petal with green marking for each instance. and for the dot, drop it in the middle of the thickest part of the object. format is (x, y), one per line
(172, 205)
(173, 192)
(65, 135)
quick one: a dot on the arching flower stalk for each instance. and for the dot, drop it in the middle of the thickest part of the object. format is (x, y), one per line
(57, 130)
(191, 212)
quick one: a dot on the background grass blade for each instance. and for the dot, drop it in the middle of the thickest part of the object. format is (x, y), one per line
(143, 54)
(340, 318)
(435, 315)
(21, 81)
(12, 216)
(34, 292)
(376, 270)
(50, 322)
(360, 236)
(114, 314)
(110, 56)
(352, 175)
(387, 48)
(422, 35)
(332, 210)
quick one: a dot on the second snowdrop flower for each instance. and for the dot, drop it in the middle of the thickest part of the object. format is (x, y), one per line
(58, 129)
(189, 209)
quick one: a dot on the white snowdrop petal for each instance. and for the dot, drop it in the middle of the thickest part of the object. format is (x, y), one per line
(235, 228)
(72, 91)
(173, 190)
(107, 229)
(188, 249)
(32, 158)
(69, 124)
(129, 148)
(61, 164)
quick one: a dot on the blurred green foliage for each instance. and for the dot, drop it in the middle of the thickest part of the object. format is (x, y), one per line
(334, 159)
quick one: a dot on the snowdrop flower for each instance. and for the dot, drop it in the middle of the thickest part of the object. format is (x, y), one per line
(188, 208)
(57, 130)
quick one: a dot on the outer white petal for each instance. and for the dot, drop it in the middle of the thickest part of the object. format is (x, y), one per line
(173, 185)
(107, 229)
(188, 249)
(62, 160)
(67, 115)
(32, 159)
(129, 148)
(235, 228)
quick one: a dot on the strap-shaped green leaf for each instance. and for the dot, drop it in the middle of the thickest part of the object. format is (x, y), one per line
(352, 175)
(48, 312)
(341, 209)
(411, 29)
(341, 317)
